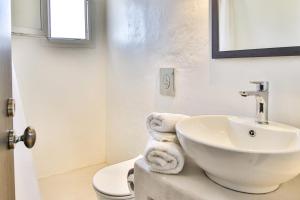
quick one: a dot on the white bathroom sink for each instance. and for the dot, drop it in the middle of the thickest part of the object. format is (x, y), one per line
(239, 153)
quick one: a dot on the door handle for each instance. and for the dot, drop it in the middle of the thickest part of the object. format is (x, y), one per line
(29, 138)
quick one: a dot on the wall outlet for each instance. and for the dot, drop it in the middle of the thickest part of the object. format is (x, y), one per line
(167, 81)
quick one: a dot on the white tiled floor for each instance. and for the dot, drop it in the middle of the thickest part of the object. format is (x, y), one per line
(74, 185)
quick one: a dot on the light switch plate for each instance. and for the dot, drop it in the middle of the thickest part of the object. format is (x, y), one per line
(167, 81)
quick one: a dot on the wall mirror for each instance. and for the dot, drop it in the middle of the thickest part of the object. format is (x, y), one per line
(255, 28)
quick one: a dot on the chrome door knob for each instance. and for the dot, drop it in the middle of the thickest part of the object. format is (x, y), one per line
(29, 138)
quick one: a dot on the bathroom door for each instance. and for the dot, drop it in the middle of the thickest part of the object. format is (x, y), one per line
(7, 189)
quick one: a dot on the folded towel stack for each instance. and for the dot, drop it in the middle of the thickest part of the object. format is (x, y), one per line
(163, 152)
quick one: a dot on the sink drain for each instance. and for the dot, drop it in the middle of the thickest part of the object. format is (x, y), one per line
(252, 133)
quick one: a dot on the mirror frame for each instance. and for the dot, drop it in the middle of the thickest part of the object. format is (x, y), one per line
(264, 52)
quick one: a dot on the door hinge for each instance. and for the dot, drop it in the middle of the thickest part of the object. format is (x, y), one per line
(11, 107)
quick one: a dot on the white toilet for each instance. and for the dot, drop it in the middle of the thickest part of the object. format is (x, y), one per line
(110, 183)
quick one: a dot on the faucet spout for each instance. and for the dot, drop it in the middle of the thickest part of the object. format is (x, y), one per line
(248, 93)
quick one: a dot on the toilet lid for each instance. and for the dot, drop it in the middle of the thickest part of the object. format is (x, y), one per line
(112, 180)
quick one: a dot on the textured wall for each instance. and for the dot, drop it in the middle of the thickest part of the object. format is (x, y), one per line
(64, 96)
(146, 35)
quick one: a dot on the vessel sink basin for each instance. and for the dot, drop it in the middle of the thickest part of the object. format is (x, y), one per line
(239, 153)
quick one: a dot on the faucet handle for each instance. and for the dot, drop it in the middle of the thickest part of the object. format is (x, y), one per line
(261, 85)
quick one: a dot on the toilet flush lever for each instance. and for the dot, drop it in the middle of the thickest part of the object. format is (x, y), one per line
(29, 138)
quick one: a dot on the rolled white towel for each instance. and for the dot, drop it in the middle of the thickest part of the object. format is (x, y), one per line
(163, 137)
(130, 181)
(164, 157)
(164, 122)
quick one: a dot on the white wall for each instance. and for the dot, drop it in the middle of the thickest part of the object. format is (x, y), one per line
(25, 14)
(146, 35)
(64, 96)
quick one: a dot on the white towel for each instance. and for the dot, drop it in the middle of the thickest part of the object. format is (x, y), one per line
(164, 157)
(164, 137)
(164, 122)
(130, 181)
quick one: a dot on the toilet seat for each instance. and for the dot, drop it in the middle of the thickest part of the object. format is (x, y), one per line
(111, 181)
(109, 197)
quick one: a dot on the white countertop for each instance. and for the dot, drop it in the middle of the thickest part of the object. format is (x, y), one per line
(192, 184)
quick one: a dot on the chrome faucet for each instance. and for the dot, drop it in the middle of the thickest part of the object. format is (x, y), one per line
(262, 95)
